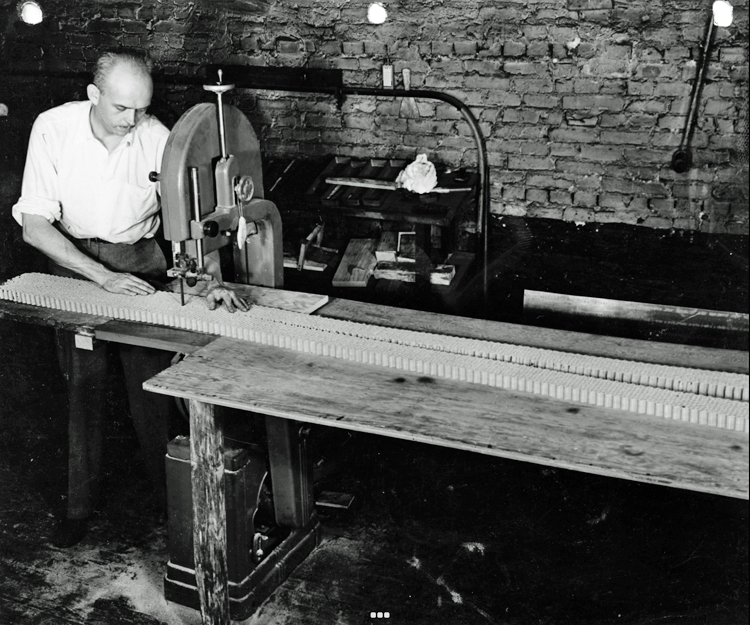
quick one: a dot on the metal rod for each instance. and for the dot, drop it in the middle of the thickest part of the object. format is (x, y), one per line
(222, 128)
(195, 202)
(698, 85)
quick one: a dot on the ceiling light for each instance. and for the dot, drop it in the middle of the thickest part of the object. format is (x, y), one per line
(376, 13)
(30, 12)
(722, 13)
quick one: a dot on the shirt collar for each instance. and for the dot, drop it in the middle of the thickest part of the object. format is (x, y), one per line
(84, 132)
(83, 125)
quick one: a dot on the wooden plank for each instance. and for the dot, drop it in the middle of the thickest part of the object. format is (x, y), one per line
(403, 272)
(59, 319)
(295, 301)
(386, 250)
(546, 302)
(462, 261)
(157, 337)
(209, 513)
(357, 265)
(460, 415)
(733, 361)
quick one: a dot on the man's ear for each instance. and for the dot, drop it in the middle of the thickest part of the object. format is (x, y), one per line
(92, 91)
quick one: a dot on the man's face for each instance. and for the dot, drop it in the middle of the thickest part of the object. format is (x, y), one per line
(121, 101)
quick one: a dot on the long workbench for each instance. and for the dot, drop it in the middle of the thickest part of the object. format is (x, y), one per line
(310, 388)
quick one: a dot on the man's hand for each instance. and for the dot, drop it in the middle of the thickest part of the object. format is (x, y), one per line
(126, 284)
(223, 294)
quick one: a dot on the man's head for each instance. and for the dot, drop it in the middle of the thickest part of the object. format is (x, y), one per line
(120, 93)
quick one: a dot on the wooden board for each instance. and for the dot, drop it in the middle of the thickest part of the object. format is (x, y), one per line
(157, 337)
(546, 302)
(357, 264)
(316, 389)
(59, 319)
(295, 301)
(733, 361)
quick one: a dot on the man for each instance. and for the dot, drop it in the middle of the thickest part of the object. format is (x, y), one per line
(88, 205)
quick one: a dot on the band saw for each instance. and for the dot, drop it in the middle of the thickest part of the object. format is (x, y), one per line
(211, 183)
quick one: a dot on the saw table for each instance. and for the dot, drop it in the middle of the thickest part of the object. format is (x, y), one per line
(410, 395)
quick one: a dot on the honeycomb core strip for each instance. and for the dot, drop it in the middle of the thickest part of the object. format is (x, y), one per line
(405, 350)
(713, 383)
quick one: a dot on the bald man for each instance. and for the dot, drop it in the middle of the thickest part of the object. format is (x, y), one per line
(88, 205)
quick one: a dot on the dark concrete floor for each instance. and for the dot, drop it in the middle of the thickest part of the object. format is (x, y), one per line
(435, 535)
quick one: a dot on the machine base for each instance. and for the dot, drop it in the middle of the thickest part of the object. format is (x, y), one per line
(245, 596)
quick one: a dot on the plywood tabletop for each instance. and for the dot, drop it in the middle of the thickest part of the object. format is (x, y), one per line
(519, 426)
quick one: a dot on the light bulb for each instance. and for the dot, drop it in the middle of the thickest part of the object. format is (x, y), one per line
(376, 13)
(722, 13)
(31, 13)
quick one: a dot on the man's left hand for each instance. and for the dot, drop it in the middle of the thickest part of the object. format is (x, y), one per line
(221, 294)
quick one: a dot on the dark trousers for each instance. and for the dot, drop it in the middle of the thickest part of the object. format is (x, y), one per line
(87, 374)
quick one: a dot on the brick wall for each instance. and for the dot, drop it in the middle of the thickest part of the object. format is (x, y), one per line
(582, 102)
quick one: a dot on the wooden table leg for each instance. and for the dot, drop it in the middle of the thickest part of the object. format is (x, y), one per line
(209, 513)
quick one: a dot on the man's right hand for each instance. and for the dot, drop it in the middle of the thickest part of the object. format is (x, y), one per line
(126, 284)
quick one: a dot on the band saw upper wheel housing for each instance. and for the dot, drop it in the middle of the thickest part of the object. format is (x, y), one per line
(194, 142)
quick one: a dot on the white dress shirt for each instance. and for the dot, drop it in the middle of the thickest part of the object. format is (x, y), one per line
(70, 176)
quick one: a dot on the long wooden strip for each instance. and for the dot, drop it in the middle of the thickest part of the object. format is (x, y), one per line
(671, 354)
(495, 422)
(373, 183)
(410, 351)
(546, 302)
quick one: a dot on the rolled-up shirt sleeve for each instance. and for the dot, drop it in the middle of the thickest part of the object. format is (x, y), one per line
(40, 186)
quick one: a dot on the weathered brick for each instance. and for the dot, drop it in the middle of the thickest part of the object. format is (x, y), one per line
(530, 162)
(537, 195)
(692, 191)
(514, 48)
(519, 67)
(549, 181)
(353, 48)
(589, 5)
(533, 85)
(465, 48)
(719, 107)
(593, 104)
(733, 55)
(672, 122)
(559, 51)
(585, 198)
(578, 214)
(574, 118)
(647, 106)
(557, 196)
(542, 211)
(614, 201)
(376, 48)
(586, 170)
(332, 48)
(484, 68)
(538, 49)
(585, 86)
(442, 48)
(513, 193)
(574, 135)
(524, 116)
(622, 137)
(541, 101)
